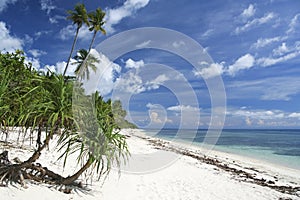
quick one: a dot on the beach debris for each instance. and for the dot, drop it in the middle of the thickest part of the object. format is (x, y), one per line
(239, 173)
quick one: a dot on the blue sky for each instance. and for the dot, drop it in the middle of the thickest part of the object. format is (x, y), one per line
(255, 47)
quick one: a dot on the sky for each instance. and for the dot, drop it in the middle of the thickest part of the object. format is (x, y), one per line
(246, 67)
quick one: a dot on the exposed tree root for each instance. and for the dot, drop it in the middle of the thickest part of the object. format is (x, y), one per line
(18, 172)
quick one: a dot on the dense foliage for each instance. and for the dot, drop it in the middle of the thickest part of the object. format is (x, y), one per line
(42, 104)
(50, 104)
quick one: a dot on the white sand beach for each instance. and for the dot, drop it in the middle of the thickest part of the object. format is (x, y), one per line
(191, 176)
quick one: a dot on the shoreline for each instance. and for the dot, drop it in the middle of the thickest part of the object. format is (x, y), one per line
(192, 176)
(238, 152)
(278, 177)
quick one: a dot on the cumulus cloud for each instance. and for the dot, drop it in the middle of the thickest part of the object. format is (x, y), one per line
(281, 50)
(131, 64)
(60, 66)
(294, 115)
(5, 3)
(8, 42)
(242, 63)
(115, 15)
(104, 78)
(130, 83)
(248, 12)
(34, 61)
(255, 22)
(154, 116)
(215, 69)
(155, 83)
(133, 83)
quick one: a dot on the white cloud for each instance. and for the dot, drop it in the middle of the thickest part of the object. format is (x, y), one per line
(8, 43)
(153, 106)
(132, 83)
(260, 114)
(293, 24)
(47, 5)
(69, 31)
(248, 121)
(207, 33)
(213, 70)
(34, 61)
(244, 62)
(280, 54)
(131, 64)
(294, 115)
(104, 78)
(178, 44)
(4, 4)
(114, 16)
(248, 12)
(143, 44)
(40, 33)
(60, 66)
(261, 42)
(181, 108)
(268, 61)
(255, 22)
(281, 50)
(261, 117)
(28, 40)
(154, 116)
(155, 84)
(36, 52)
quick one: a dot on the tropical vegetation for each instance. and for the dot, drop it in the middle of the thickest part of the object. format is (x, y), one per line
(49, 105)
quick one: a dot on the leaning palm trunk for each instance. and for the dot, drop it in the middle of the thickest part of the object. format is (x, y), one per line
(94, 36)
(71, 179)
(72, 49)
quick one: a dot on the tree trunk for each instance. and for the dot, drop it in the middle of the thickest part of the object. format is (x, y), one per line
(94, 36)
(74, 42)
(70, 179)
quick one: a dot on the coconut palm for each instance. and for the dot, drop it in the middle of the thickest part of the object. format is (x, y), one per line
(96, 23)
(79, 17)
(84, 61)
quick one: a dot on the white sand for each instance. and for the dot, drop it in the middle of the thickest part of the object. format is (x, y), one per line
(186, 178)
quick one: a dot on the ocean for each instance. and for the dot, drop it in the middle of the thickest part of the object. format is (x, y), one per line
(276, 146)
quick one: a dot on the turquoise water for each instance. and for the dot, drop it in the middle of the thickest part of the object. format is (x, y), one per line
(275, 146)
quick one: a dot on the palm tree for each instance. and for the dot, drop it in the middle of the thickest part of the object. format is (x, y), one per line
(79, 17)
(96, 22)
(84, 61)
